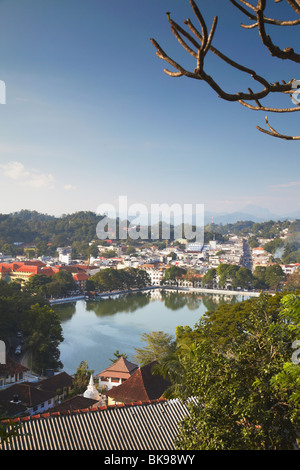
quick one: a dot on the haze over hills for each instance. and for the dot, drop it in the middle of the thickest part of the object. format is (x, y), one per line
(249, 212)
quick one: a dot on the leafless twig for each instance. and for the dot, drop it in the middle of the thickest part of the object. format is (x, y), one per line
(198, 44)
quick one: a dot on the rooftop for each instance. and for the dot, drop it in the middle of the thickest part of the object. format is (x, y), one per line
(136, 426)
(143, 385)
(122, 368)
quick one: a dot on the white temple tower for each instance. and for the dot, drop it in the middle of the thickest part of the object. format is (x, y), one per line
(91, 391)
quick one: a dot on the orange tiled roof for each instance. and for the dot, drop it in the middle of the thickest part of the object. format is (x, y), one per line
(80, 277)
(122, 369)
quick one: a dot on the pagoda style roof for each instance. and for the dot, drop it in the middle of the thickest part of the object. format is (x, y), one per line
(141, 386)
(121, 369)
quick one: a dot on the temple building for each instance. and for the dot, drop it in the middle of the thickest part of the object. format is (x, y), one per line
(117, 373)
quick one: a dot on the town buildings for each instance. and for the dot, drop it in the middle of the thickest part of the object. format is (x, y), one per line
(189, 256)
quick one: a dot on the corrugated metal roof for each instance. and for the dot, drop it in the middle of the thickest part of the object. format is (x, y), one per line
(139, 426)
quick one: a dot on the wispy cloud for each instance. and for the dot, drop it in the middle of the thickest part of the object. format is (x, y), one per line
(285, 185)
(69, 187)
(34, 178)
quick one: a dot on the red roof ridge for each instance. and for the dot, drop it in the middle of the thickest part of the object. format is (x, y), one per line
(140, 385)
(50, 414)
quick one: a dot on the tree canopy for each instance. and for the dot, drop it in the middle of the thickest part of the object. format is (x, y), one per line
(237, 363)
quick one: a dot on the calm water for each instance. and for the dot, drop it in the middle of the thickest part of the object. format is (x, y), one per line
(93, 331)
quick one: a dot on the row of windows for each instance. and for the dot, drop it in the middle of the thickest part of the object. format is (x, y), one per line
(106, 379)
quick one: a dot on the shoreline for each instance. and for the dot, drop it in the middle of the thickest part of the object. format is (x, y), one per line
(174, 288)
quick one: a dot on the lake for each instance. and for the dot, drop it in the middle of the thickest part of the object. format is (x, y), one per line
(94, 330)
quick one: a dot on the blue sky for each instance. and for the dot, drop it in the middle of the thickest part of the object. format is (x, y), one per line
(90, 115)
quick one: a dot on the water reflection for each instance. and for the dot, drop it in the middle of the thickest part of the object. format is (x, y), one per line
(94, 330)
(123, 303)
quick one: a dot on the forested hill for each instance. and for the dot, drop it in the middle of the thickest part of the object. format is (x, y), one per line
(45, 231)
(48, 232)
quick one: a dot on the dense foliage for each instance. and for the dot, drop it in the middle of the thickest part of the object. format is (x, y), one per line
(240, 363)
(77, 230)
(40, 325)
(111, 279)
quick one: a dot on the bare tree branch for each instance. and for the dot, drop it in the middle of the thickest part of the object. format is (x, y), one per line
(198, 44)
(266, 20)
(274, 133)
(288, 52)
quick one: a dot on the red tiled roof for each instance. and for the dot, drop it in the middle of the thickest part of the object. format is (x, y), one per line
(141, 386)
(35, 263)
(4, 269)
(12, 266)
(28, 269)
(47, 271)
(80, 277)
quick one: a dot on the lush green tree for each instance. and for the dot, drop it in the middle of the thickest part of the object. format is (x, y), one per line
(287, 381)
(158, 345)
(227, 274)
(253, 242)
(61, 284)
(81, 378)
(111, 279)
(274, 276)
(173, 275)
(209, 278)
(109, 254)
(259, 275)
(291, 253)
(8, 428)
(42, 329)
(243, 278)
(293, 282)
(233, 363)
(38, 284)
(54, 289)
(273, 245)
(93, 250)
(14, 304)
(130, 250)
(90, 285)
(117, 356)
(234, 275)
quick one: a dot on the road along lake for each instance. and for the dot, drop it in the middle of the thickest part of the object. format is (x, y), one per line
(94, 330)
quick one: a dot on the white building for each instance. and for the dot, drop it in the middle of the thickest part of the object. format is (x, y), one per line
(64, 255)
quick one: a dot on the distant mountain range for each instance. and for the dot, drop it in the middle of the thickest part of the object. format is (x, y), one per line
(250, 212)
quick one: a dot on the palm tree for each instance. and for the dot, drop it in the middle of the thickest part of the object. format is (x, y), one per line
(173, 367)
